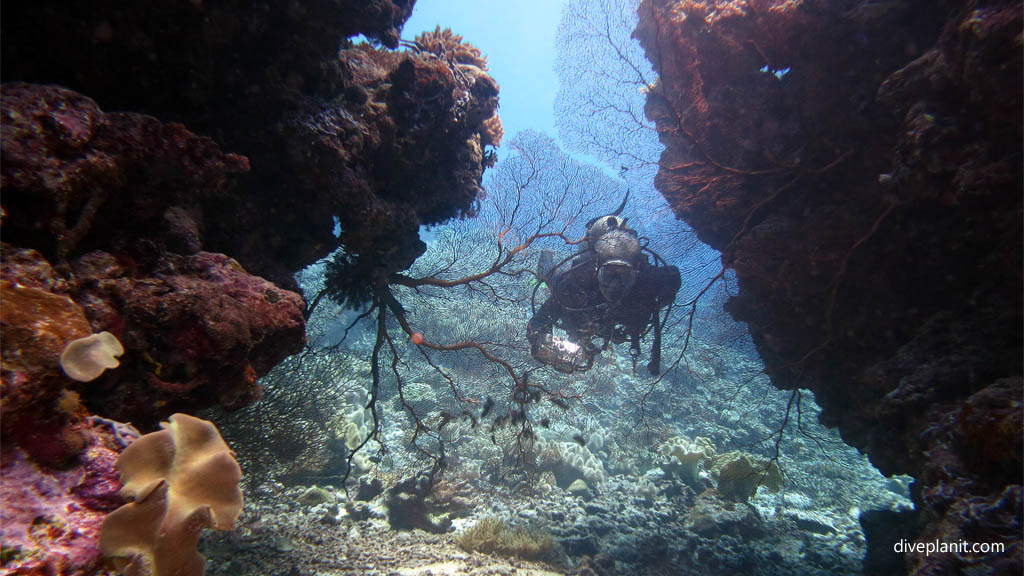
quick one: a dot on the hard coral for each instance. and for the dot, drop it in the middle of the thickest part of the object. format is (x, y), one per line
(181, 479)
(312, 118)
(425, 125)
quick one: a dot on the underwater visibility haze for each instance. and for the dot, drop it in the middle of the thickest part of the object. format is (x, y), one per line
(608, 287)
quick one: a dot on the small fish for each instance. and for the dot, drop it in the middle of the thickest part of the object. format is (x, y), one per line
(533, 395)
(579, 439)
(446, 417)
(499, 422)
(488, 405)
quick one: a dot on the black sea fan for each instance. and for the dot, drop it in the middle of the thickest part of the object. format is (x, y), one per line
(349, 280)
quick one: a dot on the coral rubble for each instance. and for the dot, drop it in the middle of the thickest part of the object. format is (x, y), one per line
(858, 164)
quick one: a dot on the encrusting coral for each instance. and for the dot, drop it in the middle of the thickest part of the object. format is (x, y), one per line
(182, 479)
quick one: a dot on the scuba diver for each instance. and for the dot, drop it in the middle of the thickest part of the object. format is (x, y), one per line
(610, 291)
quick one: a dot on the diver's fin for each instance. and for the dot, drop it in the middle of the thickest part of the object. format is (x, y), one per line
(654, 366)
(621, 206)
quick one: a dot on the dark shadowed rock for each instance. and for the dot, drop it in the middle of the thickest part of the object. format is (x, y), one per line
(108, 199)
(859, 165)
(379, 141)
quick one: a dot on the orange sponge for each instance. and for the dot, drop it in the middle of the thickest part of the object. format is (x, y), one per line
(181, 479)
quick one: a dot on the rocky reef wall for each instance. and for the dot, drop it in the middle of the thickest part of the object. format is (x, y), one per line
(859, 166)
(166, 169)
(379, 140)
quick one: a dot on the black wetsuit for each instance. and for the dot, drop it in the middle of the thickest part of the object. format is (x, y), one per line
(577, 306)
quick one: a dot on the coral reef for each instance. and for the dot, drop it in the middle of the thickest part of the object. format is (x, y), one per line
(198, 330)
(76, 179)
(96, 203)
(379, 141)
(858, 166)
(134, 225)
(424, 126)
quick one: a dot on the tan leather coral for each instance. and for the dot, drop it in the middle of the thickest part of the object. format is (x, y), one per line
(181, 479)
(86, 358)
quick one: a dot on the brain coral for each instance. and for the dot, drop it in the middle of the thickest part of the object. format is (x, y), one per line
(182, 479)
